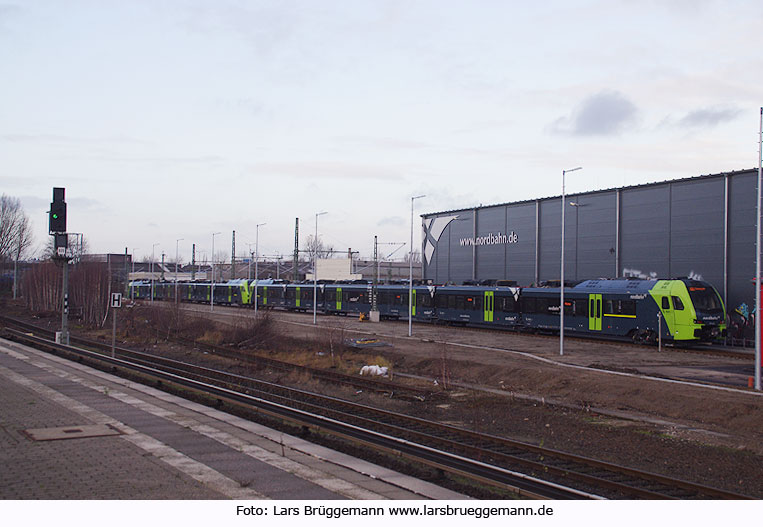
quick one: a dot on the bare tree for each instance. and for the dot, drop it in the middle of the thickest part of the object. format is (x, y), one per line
(77, 246)
(315, 247)
(415, 257)
(15, 231)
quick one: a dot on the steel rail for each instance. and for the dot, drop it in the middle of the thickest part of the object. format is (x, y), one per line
(523, 484)
(561, 464)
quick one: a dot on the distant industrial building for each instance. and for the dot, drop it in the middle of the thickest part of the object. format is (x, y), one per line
(702, 227)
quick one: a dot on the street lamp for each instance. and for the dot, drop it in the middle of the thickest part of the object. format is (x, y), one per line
(132, 289)
(410, 273)
(212, 286)
(177, 244)
(315, 270)
(561, 285)
(256, 264)
(152, 271)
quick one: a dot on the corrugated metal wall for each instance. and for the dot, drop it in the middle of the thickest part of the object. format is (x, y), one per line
(702, 227)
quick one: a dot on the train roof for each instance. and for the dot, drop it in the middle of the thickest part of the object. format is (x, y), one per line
(618, 285)
(476, 288)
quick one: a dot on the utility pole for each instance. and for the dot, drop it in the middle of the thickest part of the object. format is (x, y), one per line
(233, 257)
(193, 263)
(295, 271)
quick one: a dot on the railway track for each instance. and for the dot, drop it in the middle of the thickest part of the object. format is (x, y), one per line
(392, 389)
(526, 469)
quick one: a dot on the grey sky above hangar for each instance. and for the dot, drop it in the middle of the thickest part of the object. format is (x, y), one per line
(186, 118)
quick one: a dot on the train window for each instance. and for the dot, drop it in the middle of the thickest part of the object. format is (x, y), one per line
(507, 304)
(677, 304)
(528, 304)
(441, 301)
(460, 302)
(705, 299)
(452, 302)
(619, 307)
(478, 303)
(665, 302)
(423, 300)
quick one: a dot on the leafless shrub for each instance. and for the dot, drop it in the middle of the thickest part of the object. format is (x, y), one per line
(255, 332)
(332, 339)
(160, 321)
(88, 290)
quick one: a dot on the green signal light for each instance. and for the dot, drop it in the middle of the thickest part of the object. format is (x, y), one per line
(55, 216)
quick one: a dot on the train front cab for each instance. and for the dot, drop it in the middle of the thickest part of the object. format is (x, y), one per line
(690, 310)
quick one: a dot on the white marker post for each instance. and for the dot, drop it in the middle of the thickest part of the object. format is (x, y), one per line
(659, 331)
(116, 303)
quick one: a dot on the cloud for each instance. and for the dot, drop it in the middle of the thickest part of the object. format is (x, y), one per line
(708, 117)
(392, 221)
(326, 169)
(606, 113)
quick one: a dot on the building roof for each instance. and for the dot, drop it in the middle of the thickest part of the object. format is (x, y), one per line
(601, 191)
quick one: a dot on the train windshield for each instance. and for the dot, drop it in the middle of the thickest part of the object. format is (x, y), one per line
(705, 298)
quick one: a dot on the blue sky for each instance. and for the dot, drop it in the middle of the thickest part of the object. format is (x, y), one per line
(177, 119)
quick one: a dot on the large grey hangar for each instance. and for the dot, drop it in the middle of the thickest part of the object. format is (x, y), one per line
(701, 227)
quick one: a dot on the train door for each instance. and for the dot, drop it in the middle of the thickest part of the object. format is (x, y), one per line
(667, 313)
(338, 298)
(489, 306)
(413, 302)
(594, 312)
(298, 298)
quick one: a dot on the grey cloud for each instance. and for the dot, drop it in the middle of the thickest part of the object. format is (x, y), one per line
(606, 113)
(393, 221)
(708, 117)
(325, 169)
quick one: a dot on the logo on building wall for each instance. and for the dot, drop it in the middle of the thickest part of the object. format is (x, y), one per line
(490, 239)
(433, 229)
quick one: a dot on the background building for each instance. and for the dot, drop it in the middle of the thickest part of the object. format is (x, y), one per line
(702, 227)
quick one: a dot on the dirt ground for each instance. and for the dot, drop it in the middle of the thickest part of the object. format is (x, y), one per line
(600, 399)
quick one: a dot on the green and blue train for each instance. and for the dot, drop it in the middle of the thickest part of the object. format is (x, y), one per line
(680, 310)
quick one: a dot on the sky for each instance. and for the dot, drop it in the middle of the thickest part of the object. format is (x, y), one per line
(170, 119)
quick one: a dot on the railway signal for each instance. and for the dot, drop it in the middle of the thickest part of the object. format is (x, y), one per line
(57, 219)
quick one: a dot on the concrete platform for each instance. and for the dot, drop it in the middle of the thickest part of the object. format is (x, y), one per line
(68, 431)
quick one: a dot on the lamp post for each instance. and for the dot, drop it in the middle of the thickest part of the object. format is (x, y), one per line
(315, 270)
(152, 271)
(132, 289)
(757, 260)
(212, 285)
(177, 245)
(410, 273)
(256, 264)
(561, 285)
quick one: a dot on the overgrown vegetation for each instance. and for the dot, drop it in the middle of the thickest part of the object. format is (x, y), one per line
(89, 290)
